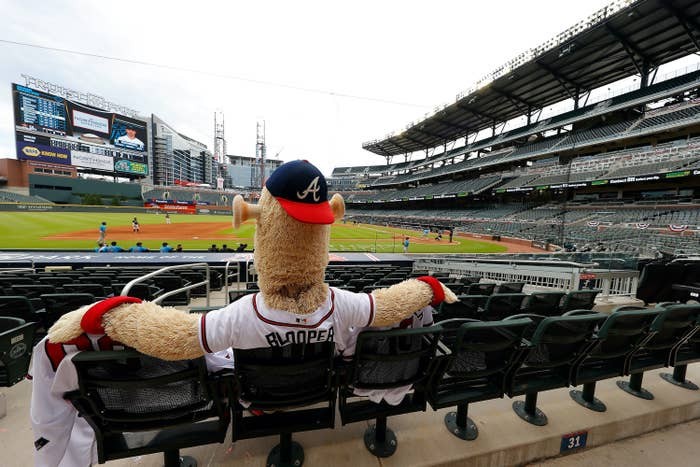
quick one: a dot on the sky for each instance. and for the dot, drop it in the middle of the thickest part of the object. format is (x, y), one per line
(324, 76)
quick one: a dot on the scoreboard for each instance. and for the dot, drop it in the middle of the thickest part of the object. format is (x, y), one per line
(50, 128)
(47, 113)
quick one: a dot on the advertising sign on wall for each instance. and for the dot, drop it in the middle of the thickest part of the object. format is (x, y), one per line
(42, 153)
(126, 166)
(93, 161)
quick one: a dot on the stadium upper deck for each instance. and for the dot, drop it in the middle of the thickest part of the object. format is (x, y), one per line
(625, 38)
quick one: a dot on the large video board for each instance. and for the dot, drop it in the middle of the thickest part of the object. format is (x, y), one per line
(53, 129)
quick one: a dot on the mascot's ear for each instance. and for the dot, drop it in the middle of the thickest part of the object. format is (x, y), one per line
(337, 206)
(243, 211)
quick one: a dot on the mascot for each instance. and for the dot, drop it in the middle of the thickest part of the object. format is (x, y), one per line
(294, 304)
(292, 239)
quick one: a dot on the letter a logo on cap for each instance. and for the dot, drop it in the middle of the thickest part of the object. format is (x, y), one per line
(312, 189)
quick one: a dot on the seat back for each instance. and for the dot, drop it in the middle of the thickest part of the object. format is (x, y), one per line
(393, 358)
(556, 344)
(651, 282)
(578, 300)
(510, 287)
(501, 306)
(32, 290)
(481, 355)
(122, 394)
(468, 306)
(289, 379)
(18, 306)
(543, 303)
(16, 345)
(58, 304)
(673, 324)
(480, 289)
(280, 377)
(97, 290)
(617, 339)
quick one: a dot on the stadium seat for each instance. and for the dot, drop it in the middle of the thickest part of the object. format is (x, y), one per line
(543, 303)
(499, 306)
(555, 344)
(509, 287)
(473, 367)
(481, 289)
(293, 387)
(622, 333)
(653, 282)
(59, 304)
(386, 360)
(683, 354)
(194, 277)
(578, 300)
(142, 290)
(16, 344)
(170, 282)
(141, 405)
(670, 329)
(96, 290)
(21, 307)
(468, 306)
(103, 280)
(237, 294)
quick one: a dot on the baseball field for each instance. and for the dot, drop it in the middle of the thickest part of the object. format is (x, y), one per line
(76, 230)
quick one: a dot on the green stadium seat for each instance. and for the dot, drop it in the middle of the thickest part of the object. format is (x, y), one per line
(671, 328)
(543, 303)
(468, 306)
(140, 405)
(683, 354)
(578, 300)
(473, 367)
(16, 344)
(500, 306)
(294, 387)
(385, 360)
(59, 304)
(618, 338)
(555, 345)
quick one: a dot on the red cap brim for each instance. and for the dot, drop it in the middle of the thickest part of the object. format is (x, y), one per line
(308, 213)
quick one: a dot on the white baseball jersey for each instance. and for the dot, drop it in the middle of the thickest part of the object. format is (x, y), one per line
(61, 438)
(393, 396)
(249, 323)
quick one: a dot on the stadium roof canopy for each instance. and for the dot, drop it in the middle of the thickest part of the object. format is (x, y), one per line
(623, 39)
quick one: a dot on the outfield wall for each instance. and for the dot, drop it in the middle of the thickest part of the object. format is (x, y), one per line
(70, 190)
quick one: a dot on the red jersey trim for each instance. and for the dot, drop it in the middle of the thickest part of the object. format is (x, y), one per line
(371, 309)
(203, 330)
(293, 325)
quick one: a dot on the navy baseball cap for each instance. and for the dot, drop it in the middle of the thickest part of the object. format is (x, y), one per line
(301, 190)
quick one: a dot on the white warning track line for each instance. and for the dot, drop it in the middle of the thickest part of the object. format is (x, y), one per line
(371, 256)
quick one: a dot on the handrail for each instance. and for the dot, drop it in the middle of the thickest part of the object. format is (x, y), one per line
(127, 287)
(14, 270)
(227, 299)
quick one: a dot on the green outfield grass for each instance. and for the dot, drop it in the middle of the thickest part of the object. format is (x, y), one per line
(31, 229)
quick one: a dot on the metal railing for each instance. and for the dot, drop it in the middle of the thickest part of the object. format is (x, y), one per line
(561, 275)
(160, 298)
(227, 299)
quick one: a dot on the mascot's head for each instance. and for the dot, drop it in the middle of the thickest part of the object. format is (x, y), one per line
(292, 235)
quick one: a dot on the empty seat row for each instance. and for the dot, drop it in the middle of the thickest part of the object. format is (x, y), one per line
(461, 361)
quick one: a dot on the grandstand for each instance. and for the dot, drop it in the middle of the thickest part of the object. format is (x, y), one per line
(634, 153)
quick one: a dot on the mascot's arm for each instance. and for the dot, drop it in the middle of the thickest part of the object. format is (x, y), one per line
(403, 299)
(162, 332)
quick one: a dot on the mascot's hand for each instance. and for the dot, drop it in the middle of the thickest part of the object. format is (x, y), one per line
(68, 326)
(86, 319)
(450, 296)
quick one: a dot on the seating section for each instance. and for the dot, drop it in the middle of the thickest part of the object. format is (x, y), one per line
(460, 361)
(12, 197)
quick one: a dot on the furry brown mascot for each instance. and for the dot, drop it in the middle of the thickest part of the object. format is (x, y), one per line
(292, 239)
